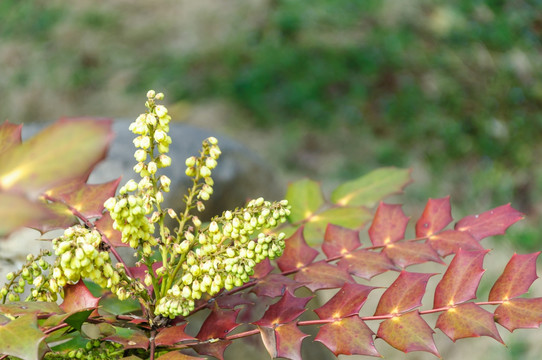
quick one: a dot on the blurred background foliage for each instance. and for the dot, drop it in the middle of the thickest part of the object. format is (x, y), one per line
(328, 89)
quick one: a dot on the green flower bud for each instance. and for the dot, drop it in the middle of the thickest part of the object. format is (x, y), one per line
(212, 140)
(191, 161)
(10, 276)
(150, 94)
(204, 172)
(140, 155)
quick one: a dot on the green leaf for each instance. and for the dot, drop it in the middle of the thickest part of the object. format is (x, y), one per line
(113, 305)
(76, 320)
(22, 338)
(30, 307)
(305, 197)
(371, 188)
(349, 217)
(10, 136)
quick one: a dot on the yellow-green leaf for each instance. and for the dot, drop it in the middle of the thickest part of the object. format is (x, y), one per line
(305, 197)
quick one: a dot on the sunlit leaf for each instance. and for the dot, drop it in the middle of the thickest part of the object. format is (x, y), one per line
(218, 324)
(467, 320)
(404, 254)
(366, 264)
(22, 338)
(172, 335)
(435, 217)
(62, 219)
(296, 253)
(520, 313)
(389, 225)
(404, 294)
(321, 275)
(177, 355)
(305, 197)
(17, 211)
(450, 241)
(517, 277)
(30, 307)
(105, 225)
(78, 297)
(349, 217)
(371, 188)
(10, 136)
(289, 339)
(287, 309)
(460, 281)
(408, 332)
(346, 302)
(348, 336)
(339, 240)
(489, 223)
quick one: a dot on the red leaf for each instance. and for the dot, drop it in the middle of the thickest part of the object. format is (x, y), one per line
(450, 241)
(517, 277)
(10, 136)
(520, 313)
(218, 324)
(489, 223)
(289, 339)
(296, 253)
(262, 268)
(130, 338)
(322, 275)
(172, 335)
(215, 349)
(105, 225)
(436, 216)
(231, 301)
(348, 336)
(287, 309)
(408, 332)
(404, 294)
(274, 285)
(404, 254)
(174, 355)
(366, 264)
(460, 281)
(346, 302)
(467, 320)
(78, 297)
(339, 240)
(389, 225)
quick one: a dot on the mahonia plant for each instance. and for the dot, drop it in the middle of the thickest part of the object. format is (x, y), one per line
(110, 310)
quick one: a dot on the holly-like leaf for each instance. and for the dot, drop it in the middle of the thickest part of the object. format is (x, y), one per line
(22, 338)
(77, 319)
(262, 268)
(289, 339)
(230, 301)
(404, 254)
(348, 336)
(129, 338)
(435, 217)
(408, 332)
(305, 197)
(65, 150)
(113, 305)
(17, 211)
(218, 324)
(349, 217)
(346, 302)
(287, 309)
(404, 294)
(321, 275)
(176, 355)
(460, 281)
(63, 218)
(467, 320)
(215, 349)
(489, 223)
(78, 297)
(172, 335)
(296, 253)
(339, 240)
(105, 225)
(98, 330)
(366, 264)
(10, 136)
(517, 277)
(450, 241)
(274, 285)
(371, 188)
(520, 313)
(30, 307)
(389, 225)
(269, 340)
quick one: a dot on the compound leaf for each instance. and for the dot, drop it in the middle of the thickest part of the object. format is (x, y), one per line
(517, 277)
(289, 339)
(389, 225)
(296, 253)
(339, 240)
(467, 320)
(305, 197)
(489, 223)
(321, 275)
(348, 336)
(366, 264)
(287, 309)
(450, 241)
(346, 302)
(435, 217)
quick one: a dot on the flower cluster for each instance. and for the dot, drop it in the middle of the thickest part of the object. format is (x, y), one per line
(224, 255)
(93, 350)
(31, 273)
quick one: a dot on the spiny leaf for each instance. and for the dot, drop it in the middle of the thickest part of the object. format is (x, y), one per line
(450, 241)
(520, 313)
(172, 335)
(218, 324)
(389, 225)
(215, 349)
(231, 301)
(371, 188)
(287, 309)
(348, 336)
(30, 307)
(262, 269)
(296, 253)
(346, 302)
(78, 297)
(460, 281)
(100, 331)
(105, 225)
(517, 277)
(129, 338)
(269, 340)
(489, 223)
(408, 332)
(339, 240)
(63, 218)
(65, 150)
(404, 254)
(22, 338)
(113, 305)
(10, 136)
(177, 355)
(349, 217)
(289, 339)
(274, 285)
(77, 319)
(467, 320)
(435, 217)
(17, 211)
(321, 275)
(404, 294)
(366, 264)
(305, 197)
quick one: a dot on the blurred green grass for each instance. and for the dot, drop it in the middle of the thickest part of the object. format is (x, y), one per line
(337, 88)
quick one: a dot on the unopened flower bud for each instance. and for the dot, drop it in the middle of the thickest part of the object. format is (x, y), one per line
(191, 161)
(150, 94)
